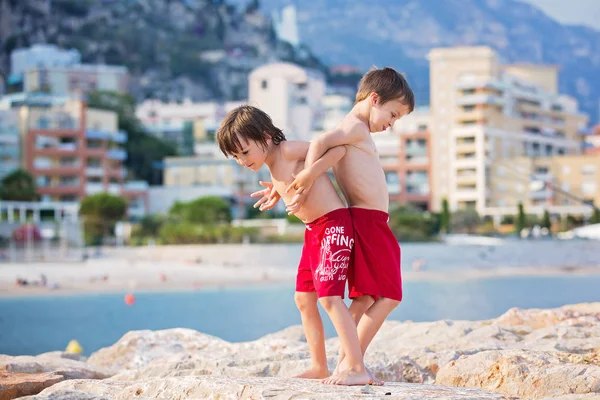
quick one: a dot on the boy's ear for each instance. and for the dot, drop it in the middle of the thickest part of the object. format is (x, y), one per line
(268, 138)
(374, 98)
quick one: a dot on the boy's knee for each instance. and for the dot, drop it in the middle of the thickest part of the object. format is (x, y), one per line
(305, 300)
(329, 302)
(363, 301)
(390, 303)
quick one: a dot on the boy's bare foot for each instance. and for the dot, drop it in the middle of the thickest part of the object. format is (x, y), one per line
(374, 380)
(342, 366)
(349, 378)
(314, 373)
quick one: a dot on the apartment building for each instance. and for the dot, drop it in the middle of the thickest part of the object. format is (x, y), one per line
(290, 94)
(10, 143)
(568, 184)
(404, 152)
(209, 173)
(41, 55)
(592, 141)
(483, 111)
(183, 124)
(71, 150)
(76, 79)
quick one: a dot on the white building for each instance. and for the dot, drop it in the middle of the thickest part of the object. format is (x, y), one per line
(290, 94)
(286, 25)
(41, 55)
(168, 120)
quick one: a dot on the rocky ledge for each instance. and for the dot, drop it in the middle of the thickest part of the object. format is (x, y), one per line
(534, 353)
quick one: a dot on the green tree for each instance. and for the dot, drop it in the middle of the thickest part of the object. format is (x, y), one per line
(18, 186)
(546, 222)
(521, 219)
(100, 213)
(445, 219)
(144, 151)
(208, 210)
(410, 224)
(466, 220)
(595, 217)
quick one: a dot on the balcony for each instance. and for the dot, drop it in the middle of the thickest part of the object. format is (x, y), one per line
(540, 195)
(9, 151)
(9, 138)
(65, 149)
(60, 122)
(117, 154)
(97, 172)
(417, 160)
(466, 178)
(479, 83)
(119, 137)
(114, 188)
(417, 189)
(393, 188)
(415, 151)
(466, 147)
(96, 134)
(120, 173)
(474, 99)
(138, 186)
(92, 188)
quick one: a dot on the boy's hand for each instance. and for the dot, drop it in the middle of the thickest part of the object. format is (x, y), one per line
(269, 198)
(302, 182)
(296, 203)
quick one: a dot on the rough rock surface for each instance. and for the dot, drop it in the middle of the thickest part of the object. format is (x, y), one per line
(522, 354)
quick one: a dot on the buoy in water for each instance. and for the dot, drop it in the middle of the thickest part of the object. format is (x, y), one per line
(74, 347)
(129, 299)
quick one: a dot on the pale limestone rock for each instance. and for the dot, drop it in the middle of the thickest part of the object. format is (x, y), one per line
(57, 362)
(536, 353)
(522, 373)
(221, 387)
(13, 385)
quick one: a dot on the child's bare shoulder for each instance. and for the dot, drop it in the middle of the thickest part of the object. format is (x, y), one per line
(354, 126)
(293, 150)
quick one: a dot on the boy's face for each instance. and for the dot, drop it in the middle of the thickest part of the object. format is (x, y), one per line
(252, 155)
(384, 116)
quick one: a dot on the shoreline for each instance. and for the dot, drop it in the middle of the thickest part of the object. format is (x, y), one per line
(121, 277)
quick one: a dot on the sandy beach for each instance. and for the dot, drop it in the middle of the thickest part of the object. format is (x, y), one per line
(186, 268)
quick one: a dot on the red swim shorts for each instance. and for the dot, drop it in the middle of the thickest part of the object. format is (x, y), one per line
(376, 267)
(326, 255)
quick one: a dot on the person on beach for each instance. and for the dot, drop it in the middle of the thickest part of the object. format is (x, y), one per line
(249, 136)
(374, 282)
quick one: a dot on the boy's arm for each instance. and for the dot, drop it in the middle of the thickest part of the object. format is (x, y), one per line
(292, 150)
(336, 137)
(305, 178)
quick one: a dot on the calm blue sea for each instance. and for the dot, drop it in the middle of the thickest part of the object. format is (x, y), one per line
(40, 324)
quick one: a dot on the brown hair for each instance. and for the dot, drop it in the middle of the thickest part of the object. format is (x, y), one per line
(389, 84)
(248, 123)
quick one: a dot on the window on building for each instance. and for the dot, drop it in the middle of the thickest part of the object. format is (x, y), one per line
(588, 188)
(263, 84)
(588, 169)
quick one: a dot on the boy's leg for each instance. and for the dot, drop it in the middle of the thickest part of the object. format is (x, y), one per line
(357, 308)
(355, 373)
(371, 321)
(315, 336)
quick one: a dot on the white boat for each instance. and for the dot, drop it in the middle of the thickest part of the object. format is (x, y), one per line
(464, 239)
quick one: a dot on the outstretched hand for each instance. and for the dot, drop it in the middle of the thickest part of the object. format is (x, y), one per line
(269, 198)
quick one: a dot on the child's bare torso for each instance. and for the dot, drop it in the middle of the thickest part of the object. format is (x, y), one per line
(321, 198)
(359, 173)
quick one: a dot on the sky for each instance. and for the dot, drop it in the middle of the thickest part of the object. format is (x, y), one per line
(580, 12)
